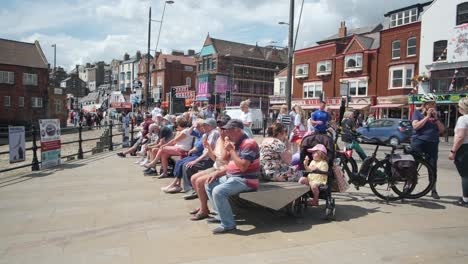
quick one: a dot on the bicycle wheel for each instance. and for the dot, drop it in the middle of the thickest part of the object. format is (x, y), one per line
(422, 183)
(381, 181)
(349, 165)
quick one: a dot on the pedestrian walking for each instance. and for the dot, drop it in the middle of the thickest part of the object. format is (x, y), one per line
(459, 151)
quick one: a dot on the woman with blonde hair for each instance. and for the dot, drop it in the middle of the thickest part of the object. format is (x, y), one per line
(459, 151)
(300, 126)
(246, 117)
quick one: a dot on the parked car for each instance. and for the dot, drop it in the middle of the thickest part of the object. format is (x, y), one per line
(257, 117)
(390, 130)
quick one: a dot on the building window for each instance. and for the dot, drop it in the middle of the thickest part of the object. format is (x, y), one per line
(129, 75)
(324, 67)
(122, 77)
(404, 17)
(462, 13)
(353, 62)
(36, 102)
(21, 101)
(29, 79)
(282, 88)
(213, 66)
(209, 63)
(6, 101)
(188, 68)
(58, 106)
(312, 90)
(356, 87)
(440, 50)
(401, 76)
(396, 49)
(302, 71)
(7, 77)
(160, 65)
(188, 81)
(200, 66)
(159, 81)
(411, 47)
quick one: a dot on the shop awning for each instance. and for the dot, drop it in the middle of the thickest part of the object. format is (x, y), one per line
(310, 106)
(333, 107)
(275, 107)
(358, 107)
(387, 106)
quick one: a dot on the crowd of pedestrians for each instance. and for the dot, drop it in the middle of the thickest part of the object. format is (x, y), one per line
(213, 159)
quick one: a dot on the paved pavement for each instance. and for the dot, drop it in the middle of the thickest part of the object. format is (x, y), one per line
(103, 210)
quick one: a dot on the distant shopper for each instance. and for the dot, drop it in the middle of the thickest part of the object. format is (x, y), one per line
(285, 118)
(427, 128)
(320, 119)
(246, 117)
(459, 151)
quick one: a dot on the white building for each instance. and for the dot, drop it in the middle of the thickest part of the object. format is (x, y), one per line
(128, 71)
(444, 55)
(279, 91)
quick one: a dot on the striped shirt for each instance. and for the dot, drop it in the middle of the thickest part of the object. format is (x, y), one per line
(285, 120)
(247, 150)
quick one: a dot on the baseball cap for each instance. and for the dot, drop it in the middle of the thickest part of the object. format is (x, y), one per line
(234, 123)
(223, 120)
(210, 121)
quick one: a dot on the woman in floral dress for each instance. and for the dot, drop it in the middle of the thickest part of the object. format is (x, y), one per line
(275, 156)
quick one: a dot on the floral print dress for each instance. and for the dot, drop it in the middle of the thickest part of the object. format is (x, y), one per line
(270, 160)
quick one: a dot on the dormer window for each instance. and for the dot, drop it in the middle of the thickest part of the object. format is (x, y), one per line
(324, 67)
(404, 17)
(302, 71)
(353, 62)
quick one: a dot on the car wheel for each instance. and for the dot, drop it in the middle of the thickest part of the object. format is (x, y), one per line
(394, 141)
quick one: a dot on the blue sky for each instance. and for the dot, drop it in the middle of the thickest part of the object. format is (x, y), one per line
(93, 30)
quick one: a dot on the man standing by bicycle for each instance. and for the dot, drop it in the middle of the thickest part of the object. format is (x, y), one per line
(320, 118)
(428, 127)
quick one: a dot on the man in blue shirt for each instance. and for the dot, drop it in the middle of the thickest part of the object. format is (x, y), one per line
(320, 118)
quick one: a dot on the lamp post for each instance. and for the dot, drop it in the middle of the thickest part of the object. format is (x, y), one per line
(290, 52)
(155, 51)
(55, 55)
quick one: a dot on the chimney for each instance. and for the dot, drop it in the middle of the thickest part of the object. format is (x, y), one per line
(126, 57)
(190, 52)
(77, 72)
(138, 55)
(342, 31)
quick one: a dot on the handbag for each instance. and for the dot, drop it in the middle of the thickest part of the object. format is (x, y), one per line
(340, 179)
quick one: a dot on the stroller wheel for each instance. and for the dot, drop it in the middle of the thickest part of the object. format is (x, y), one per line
(296, 208)
(330, 210)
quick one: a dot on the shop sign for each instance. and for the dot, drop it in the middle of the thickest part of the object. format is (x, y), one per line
(359, 101)
(50, 142)
(306, 102)
(440, 98)
(392, 100)
(277, 100)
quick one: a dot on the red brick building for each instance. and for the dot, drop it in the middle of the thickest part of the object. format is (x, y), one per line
(398, 60)
(171, 70)
(24, 80)
(343, 64)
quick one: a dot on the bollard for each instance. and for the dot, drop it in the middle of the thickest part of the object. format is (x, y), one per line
(35, 162)
(111, 147)
(80, 142)
(131, 134)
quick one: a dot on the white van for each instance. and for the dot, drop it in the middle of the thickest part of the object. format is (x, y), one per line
(257, 117)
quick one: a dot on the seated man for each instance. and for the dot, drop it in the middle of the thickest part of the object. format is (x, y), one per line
(164, 135)
(145, 129)
(242, 174)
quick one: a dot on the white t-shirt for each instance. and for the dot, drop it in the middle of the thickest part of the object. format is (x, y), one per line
(246, 118)
(297, 122)
(463, 124)
(186, 142)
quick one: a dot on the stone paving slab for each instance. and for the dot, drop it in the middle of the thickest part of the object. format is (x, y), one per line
(103, 210)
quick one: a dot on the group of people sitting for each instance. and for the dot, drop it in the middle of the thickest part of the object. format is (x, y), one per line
(217, 159)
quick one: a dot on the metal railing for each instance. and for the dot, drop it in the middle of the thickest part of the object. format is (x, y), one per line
(33, 133)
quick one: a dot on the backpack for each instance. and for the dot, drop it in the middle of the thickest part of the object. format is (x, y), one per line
(403, 167)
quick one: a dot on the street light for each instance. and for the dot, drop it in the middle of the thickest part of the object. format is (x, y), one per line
(290, 52)
(55, 54)
(155, 51)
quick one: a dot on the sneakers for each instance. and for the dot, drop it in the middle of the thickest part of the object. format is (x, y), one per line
(150, 172)
(133, 154)
(213, 221)
(192, 195)
(462, 202)
(435, 195)
(120, 154)
(223, 230)
(142, 163)
(163, 175)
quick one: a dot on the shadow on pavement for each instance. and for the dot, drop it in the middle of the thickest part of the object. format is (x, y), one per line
(19, 179)
(266, 221)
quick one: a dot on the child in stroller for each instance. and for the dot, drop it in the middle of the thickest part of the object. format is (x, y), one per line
(318, 171)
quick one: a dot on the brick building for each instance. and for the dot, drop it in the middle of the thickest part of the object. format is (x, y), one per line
(398, 60)
(247, 71)
(24, 79)
(175, 69)
(340, 65)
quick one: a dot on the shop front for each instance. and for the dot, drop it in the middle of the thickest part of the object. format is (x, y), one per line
(308, 105)
(275, 103)
(391, 107)
(447, 107)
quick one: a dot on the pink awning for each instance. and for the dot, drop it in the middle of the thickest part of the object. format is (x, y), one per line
(358, 107)
(388, 106)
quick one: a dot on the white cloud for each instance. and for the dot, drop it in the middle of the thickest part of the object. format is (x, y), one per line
(93, 30)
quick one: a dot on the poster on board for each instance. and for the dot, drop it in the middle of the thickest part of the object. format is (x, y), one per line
(50, 142)
(17, 143)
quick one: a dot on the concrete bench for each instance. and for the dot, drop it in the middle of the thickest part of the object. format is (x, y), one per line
(275, 195)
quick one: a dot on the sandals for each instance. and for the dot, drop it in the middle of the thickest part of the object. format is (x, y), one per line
(195, 211)
(173, 189)
(199, 216)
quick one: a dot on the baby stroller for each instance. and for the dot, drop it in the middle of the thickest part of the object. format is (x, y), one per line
(325, 190)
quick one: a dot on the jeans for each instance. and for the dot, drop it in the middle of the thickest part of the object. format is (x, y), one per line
(187, 173)
(219, 191)
(180, 164)
(430, 149)
(461, 162)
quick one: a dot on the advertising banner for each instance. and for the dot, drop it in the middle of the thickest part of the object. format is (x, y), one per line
(50, 142)
(17, 144)
(457, 48)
